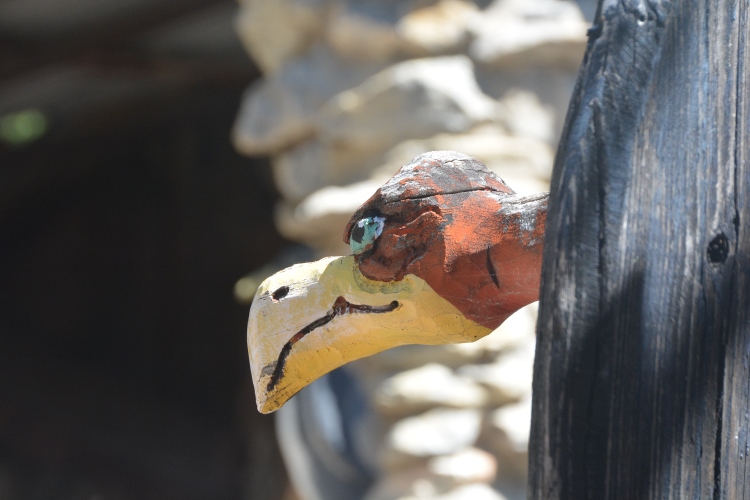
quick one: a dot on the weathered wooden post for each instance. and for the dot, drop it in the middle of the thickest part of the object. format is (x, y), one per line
(642, 375)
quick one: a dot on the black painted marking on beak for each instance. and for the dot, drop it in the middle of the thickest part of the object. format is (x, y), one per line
(340, 307)
(491, 269)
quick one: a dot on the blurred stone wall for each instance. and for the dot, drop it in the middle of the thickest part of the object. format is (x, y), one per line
(354, 89)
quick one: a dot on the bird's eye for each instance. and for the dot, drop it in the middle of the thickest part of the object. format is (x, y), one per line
(365, 232)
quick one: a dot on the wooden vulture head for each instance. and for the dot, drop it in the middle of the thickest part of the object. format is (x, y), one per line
(444, 252)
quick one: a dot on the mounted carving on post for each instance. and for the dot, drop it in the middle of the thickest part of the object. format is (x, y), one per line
(444, 252)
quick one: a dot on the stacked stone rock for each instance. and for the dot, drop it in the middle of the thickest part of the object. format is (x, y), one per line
(352, 90)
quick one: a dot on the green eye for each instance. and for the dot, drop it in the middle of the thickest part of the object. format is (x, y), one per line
(365, 232)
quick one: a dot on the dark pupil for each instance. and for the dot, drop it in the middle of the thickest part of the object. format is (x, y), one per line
(358, 233)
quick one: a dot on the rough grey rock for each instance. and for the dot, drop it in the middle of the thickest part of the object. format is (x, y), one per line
(437, 477)
(551, 86)
(476, 491)
(470, 465)
(426, 387)
(397, 29)
(416, 99)
(367, 29)
(441, 28)
(532, 33)
(437, 432)
(355, 128)
(274, 31)
(508, 379)
(506, 434)
(279, 111)
(312, 165)
(526, 116)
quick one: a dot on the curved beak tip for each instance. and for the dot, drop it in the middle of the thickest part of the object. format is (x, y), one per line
(265, 401)
(265, 406)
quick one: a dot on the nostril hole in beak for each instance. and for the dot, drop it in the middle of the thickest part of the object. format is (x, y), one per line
(280, 293)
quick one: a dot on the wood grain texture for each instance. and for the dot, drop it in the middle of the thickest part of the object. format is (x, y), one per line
(642, 374)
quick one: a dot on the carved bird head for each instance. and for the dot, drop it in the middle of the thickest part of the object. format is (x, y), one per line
(444, 252)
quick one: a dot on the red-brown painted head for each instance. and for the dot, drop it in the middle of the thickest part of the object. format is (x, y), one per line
(449, 220)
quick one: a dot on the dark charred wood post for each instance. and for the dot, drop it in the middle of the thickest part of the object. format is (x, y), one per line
(642, 376)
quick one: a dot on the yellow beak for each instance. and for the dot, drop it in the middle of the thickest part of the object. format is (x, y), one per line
(312, 318)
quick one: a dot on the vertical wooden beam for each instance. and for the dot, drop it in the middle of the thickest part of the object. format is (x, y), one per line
(642, 374)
